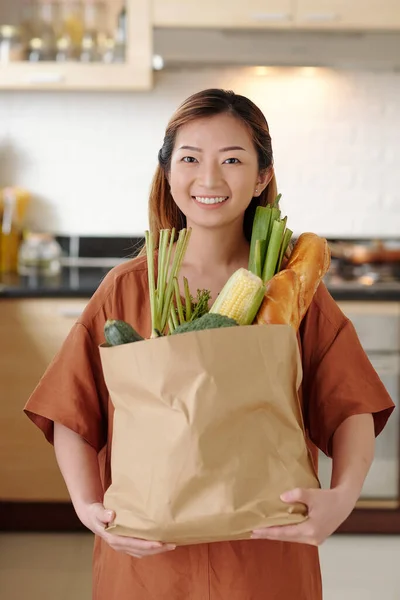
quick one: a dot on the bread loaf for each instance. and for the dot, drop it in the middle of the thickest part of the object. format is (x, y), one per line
(281, 301)
(310, 260)
(290, 292)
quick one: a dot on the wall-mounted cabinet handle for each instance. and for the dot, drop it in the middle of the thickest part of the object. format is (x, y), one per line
(45, 77)
(321, 17)
(271, 17)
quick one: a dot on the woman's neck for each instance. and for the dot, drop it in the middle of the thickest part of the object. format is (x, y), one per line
(221, 248)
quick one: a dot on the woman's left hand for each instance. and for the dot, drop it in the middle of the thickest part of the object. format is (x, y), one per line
(327, 509)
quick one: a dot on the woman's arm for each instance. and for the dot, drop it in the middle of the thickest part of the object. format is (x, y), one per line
(353, 448)
(353, 451)
(79, 466)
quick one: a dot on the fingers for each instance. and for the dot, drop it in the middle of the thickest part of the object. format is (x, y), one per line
(136, 547)
(101, 517)
(296, 495)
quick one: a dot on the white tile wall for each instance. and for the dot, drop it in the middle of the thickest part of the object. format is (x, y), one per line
(88, 158)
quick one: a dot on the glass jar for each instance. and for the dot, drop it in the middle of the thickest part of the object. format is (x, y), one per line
(65, 52)
(46, 28)
(11, 44)
(72, 26)
(39, 254)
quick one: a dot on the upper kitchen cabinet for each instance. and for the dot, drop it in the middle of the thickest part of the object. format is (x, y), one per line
(93, 45)
(224, 13)
(348, 14)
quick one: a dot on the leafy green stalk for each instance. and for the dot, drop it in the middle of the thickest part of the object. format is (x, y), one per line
(181, 245)
(260, 230)
(287, 236)
(273, 250)
(173, 316)
(188, 300)
(178, 301)
(171, 325)
(152, 287)
(162, 267)
(257, 268)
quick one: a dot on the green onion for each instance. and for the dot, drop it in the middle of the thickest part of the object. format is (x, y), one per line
(171, 325)
(188, 300)
(286, 241)
(181, 245)
(173, 317)
(152, 287)
(274, 247)
(161, 296)
(178, 301)
(260, 230)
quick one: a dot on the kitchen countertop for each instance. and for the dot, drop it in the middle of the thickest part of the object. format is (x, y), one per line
(81, 282)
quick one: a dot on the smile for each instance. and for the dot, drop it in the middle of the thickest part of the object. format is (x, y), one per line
(210, 199)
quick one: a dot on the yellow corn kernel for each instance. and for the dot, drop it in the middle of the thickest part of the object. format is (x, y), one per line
(241, 297)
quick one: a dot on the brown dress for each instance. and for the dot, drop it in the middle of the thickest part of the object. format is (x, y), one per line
(339, 381)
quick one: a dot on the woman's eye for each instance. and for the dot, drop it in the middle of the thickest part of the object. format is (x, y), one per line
(189, 159)
(232, 161)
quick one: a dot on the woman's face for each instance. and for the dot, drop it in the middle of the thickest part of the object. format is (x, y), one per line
(214, 171)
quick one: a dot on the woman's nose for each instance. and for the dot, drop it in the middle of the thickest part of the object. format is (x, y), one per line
(210, 175)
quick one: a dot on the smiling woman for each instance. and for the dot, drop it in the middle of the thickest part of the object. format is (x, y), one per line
(215, 167)
(216, 142)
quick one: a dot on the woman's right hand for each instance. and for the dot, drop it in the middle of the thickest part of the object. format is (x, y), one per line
(95, 517)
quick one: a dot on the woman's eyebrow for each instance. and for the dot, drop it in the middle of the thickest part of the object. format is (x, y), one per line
(227, 149)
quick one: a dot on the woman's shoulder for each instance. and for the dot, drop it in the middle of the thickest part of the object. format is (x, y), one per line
(122, 294)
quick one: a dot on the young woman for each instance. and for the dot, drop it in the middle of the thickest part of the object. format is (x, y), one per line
(215, 167)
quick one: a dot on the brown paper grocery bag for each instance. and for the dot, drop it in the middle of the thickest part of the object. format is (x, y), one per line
(207, 434)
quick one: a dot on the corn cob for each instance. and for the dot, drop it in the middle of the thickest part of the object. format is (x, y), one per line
(241, 297)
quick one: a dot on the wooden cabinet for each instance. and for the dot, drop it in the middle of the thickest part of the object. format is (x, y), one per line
(277, 14)
(31, 332)
(345, 14)
(133, 74)
(224, 13)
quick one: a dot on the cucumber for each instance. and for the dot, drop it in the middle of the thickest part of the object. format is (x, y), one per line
(118, 332)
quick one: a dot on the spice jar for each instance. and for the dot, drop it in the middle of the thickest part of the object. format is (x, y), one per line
(39, 254)
(11, 45)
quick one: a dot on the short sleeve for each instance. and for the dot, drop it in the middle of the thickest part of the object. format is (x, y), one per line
(72, 391)
(339, 379)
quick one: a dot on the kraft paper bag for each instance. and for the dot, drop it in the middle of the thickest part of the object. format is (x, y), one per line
(207, 434)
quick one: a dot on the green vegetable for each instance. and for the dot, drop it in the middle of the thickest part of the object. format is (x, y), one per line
(118, 332)
(162, 291)
(207, 321)
(269, 241)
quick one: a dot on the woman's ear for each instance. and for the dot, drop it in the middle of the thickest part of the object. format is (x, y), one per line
(263, 180)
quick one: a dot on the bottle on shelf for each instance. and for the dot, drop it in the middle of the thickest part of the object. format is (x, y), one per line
(46, 24)
(13, 203)
(72, 25)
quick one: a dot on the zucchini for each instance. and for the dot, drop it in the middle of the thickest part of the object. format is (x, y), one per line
(118, 332)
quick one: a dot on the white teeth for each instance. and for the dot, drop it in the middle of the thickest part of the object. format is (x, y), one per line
(211, 200)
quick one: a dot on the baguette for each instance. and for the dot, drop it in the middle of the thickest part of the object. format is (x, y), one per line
(280, 305)
(310, 260)
(290, 292)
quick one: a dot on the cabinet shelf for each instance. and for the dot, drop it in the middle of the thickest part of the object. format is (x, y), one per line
(135, 74)
(74, 77)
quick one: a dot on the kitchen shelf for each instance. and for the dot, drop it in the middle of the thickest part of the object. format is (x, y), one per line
(75, 77)
(135, 74)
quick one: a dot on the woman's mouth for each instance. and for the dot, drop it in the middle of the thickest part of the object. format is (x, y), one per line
(210, 200)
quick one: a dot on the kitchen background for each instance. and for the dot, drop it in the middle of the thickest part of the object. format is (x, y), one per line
(88, 159)
(80, 128)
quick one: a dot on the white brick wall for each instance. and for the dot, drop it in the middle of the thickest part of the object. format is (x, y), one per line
(88, 158)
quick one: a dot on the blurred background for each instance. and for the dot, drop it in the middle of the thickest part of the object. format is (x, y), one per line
(86, 90)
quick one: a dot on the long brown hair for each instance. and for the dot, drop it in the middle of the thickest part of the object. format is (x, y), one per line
(163, 211)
